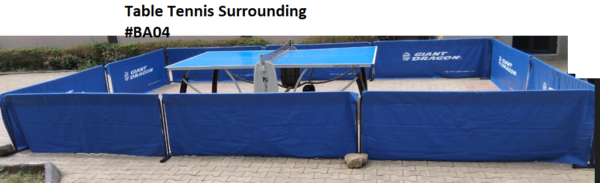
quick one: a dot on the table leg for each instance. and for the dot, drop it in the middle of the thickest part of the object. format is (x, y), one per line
(183, 88)
(215, 79)
(359, 81)
(363, 75)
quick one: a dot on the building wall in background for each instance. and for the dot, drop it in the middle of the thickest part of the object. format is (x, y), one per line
(561, 50)
(505, 39)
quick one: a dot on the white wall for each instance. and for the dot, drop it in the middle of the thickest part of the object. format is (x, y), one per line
(505, 39)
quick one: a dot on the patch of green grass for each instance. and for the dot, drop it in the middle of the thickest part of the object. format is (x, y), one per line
(22, 177)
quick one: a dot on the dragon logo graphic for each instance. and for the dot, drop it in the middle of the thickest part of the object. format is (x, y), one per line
(544, 87)
(406, 56)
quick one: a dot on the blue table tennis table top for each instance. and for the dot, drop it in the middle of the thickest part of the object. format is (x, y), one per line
(310, 58)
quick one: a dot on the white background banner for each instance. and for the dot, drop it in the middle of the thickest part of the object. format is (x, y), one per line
(577, 19)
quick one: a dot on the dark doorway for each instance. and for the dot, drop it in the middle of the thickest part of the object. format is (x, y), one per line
(536, 44)
(113, 39)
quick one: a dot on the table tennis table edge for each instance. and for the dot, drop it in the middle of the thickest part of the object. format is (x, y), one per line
(374, 54)
(341, 65)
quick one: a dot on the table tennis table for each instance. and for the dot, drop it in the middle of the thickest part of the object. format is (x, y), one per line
(285, 57)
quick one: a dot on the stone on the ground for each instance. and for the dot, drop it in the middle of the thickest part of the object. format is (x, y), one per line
(5, 149)
(355, 160)
(51, 174)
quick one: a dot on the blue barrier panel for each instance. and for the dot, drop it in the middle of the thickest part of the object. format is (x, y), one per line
(90, 80)
(139, 74)
(509, 67)
(326, 73)
(452, 58)
(542, 76)
(179, 54)
(304, 125)
(127, 124)
(545, 77)
(478, 126)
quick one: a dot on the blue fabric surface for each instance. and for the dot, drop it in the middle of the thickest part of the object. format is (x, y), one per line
(509, 67)
(307, 125)
(179, 54)
(90, 80)
(127, 124)
(139, 74)
(452, 58)
(552, 126)
(326, 73)
(545, 77)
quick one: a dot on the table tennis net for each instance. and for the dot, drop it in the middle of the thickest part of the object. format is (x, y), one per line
(278, 52)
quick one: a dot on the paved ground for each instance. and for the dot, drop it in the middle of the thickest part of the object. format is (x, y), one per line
(188, 169)
(443, 84)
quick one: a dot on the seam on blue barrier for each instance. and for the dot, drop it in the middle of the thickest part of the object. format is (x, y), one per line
(106, 78)
(528, 73)
(166, 56)
(165, 128)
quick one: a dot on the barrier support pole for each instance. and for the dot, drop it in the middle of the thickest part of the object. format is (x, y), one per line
(360, 81)
(163, 117)
(363, 75)
(591, 162)
(359, 124)
(165, 159)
